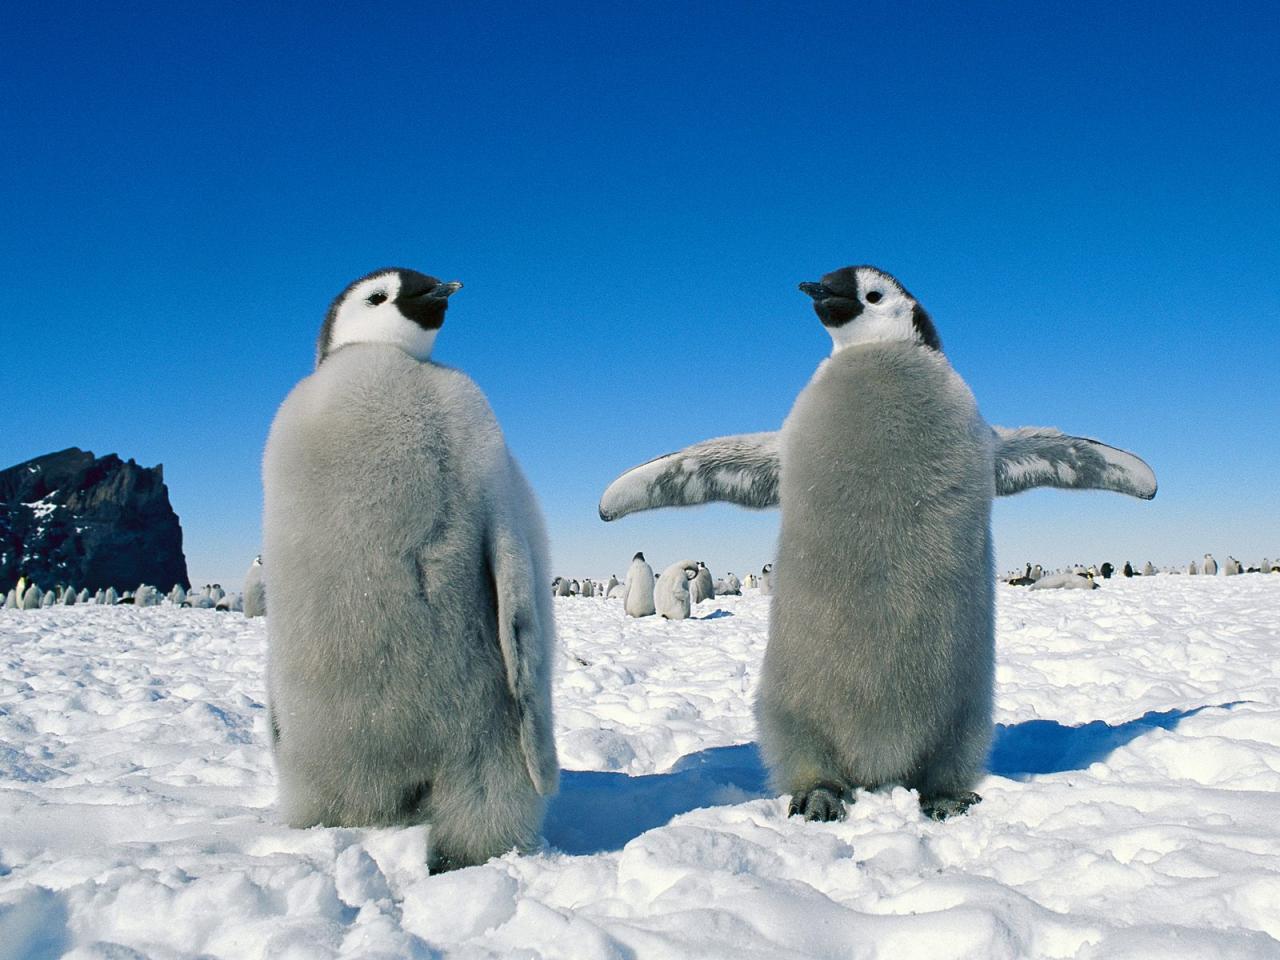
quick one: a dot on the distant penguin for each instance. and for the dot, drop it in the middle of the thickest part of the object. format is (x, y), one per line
(1231, 566)
(21, 587)
(68, 597)
(638, 599)
(575, 588)
(588, 588)
(702, 587)
(1107, 570)
(1192, 569)
(749, 582)
(1065, 581)
(564, 588)
(766, 579)
(1023, 579)
(11, 599)
(177, 595)
(49, 599)
(32, 598)
(410, 635)
(671, 594)
(255, 590)
(231, 603)
(1128, 569)
(875, 677)
(83, 595)
(733, 584)
(1148, 569)
(1265, 566)
(608, 587)
(1210, 567)
(111, 598)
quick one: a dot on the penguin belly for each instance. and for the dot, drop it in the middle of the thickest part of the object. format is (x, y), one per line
(879, 666)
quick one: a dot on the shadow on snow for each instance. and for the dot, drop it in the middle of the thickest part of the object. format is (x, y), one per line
(596, 811)
(1033, 747)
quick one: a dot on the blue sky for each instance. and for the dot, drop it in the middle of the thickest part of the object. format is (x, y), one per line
(1085, 196)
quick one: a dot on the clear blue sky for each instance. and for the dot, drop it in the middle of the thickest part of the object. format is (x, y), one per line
(1086, 196)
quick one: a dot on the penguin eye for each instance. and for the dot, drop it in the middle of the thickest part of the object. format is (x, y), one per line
(874, 296)
(375, 298)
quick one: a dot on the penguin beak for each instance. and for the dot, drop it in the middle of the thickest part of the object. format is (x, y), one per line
(816, 290)
(442, 291)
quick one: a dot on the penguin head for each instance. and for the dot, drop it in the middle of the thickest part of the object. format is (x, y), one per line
(867, 305)
(401, 307)
(638, 556)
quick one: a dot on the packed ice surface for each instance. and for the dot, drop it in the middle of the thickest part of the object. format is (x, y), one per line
(1132, 810)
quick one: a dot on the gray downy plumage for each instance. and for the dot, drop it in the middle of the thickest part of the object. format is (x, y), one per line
(671, 596)
(410, 632)
(637, 600)
(702, 587)
(878, 673)
(255, 590)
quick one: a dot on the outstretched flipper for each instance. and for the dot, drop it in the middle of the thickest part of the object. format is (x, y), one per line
(744, 469)
(741, 469)
(1044, 457)
(525, 626)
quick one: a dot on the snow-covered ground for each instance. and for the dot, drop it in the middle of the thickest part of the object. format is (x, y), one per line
(1133, 806)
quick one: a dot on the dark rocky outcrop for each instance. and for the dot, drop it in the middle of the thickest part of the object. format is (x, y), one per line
(88, 522)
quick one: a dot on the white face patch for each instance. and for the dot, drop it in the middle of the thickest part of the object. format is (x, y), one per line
(368, 314)
(886, 314)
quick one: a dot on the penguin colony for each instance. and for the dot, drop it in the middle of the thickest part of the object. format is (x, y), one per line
(870, 681)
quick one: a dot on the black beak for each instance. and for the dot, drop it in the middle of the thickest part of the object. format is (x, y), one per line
(816, 290)
(441, 291)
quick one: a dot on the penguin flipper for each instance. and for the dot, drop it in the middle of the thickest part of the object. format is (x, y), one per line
(525, 634)
(1044, 457)
(741, 469)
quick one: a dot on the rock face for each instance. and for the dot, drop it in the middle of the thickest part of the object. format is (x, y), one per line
(89, 522)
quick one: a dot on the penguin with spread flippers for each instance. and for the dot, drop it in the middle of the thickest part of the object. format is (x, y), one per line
(410, 632)
(872, 680)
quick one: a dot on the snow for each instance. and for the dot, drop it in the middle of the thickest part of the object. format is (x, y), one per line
(1131, 810)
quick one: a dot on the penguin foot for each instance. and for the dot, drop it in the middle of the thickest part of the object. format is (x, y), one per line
(945, 806)
(443, 863)
(822, 802)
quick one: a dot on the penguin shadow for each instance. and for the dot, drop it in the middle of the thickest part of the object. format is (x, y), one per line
(715, 615)
(1023, 750)
(596, 812)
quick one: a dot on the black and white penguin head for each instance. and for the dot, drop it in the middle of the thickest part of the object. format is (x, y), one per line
(396, 306)
(638, 556)
(867, 305)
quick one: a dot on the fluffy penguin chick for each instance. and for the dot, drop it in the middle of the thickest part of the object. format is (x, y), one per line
(410, 630)
(702, 588)
(638, 598)
(255, 590)
(873, 678)
(671, 595)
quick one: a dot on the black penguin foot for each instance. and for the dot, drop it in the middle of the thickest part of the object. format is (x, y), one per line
(822, 802)
(944, 806)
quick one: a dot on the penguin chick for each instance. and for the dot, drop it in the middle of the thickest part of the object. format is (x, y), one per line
(871, 680)
(637, 601)
(671, 595)
(410, 634)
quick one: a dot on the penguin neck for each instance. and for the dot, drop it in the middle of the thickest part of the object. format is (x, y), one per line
(409, 337)
(867, 330)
